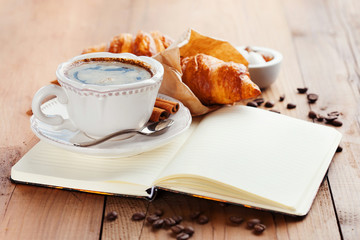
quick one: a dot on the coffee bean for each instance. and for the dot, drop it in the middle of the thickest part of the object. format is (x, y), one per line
(336, 123)
(178, 219)
(138, 216)
(152, 218)
(177, 228)
(159, 212)
(269, 104)
(320, 118)
(111, 216)
(334, 113)
(275, 111)
(189, 230)
(312, 97)
(203, 219)
(282, 98)
(259, 101)
(259, 228)
(302, 90)
(291, 106)
(236, 219)
(182, 236)
(252, 222)
(169, 222)
(312, 115)
(158, 223)
(195, 215)
(252, 104)
(330, 118)
(339, 149)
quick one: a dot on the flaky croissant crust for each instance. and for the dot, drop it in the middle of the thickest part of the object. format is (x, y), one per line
(214, 81)
(143, 44)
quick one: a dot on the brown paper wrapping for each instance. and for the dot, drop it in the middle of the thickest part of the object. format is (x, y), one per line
(190, 44)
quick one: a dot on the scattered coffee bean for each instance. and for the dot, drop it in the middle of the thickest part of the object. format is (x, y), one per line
(334, 113)
(158, 223)
(189, 230)
(259, 101)
(339, 149)
(152, 218)
(312, 97)
(236, 219)
(182, 236)
(203, 219)
(275, 111)
(282, 98)
(312, 115)
(302, 90)
(252, 104)
(269, 104)
(195, 215)
(259, 228)
(111, 216)
(336, 123)
(169, 222)
(177, 219)
(159, 212)
(291, 106)
(252, 222)
(330, 119)
(177, 228)
(320, 118)
(138, 216)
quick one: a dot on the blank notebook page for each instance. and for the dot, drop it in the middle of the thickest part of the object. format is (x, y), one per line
(265, 153)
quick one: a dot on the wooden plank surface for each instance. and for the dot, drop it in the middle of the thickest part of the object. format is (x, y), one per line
(332, 42)
(319, 41)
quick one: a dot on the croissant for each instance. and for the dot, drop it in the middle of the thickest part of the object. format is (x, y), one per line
(121, 43)
(143, 44)
(214, 81)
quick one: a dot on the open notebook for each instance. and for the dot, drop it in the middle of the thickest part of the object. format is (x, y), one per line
(237, 154)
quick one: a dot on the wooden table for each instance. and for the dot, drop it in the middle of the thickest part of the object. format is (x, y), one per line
(320, 41)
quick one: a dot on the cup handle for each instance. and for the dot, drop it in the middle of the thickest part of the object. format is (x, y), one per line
(57, 121)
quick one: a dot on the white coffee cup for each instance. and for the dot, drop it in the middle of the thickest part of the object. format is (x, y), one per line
(98, 110)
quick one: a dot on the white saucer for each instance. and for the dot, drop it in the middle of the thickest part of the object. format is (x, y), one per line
(121, 148)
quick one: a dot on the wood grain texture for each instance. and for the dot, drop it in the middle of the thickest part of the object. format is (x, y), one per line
(36, 37)
(320, 43)
(41, 213)
(332, 42)
(124, 227)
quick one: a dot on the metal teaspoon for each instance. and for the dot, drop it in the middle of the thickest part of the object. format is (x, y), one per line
(147, 130)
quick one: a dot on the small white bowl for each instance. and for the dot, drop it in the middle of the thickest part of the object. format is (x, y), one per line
(264, 74)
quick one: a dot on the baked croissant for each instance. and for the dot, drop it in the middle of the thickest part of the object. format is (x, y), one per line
(214, 81)
(143, 44)
(121, 43)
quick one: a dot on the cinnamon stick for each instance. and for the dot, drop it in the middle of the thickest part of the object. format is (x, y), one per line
(159, 114)
(29, 112)
(55, 82)
(169, 106)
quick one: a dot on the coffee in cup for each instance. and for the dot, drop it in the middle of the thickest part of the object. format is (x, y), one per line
(108, 71)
